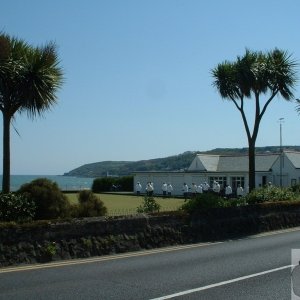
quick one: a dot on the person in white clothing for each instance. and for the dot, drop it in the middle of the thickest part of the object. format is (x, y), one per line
(185, 190)
(216, 187)
(138, 188)
(228, 191)
(239, 191)
(164, 189)
(169, 189)
(205, 187)
(199, 189)
(149, 189)
(194, 190)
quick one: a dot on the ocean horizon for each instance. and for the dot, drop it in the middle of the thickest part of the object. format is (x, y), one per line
(65, 183)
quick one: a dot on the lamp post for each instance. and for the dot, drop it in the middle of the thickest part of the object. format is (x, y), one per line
(281, 120)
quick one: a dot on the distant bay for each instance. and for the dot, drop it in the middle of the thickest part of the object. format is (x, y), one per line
(65, 183)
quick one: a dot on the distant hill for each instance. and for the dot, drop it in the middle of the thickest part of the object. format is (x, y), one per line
(170, 163)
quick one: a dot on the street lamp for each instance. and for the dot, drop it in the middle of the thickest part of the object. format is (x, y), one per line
(281, 120)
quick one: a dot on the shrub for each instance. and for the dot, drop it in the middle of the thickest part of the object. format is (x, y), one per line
(49, 249)
(102, 184)
(18, 208)
(105, 184)
(149, 205)
(269, 194)
(50, 202)
(85, 196)
(296, 188)
(89, 205)
(204, 201)
(125, 183)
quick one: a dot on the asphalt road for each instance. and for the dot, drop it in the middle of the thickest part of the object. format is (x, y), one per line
(251, 268)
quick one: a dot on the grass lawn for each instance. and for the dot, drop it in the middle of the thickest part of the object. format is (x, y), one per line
(127, 204)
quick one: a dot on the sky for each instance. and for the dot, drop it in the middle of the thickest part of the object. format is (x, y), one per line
(137, 78)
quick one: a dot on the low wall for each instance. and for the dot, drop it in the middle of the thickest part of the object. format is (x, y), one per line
(46, 241)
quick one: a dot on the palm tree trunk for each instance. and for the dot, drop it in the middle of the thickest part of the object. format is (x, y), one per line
(6, 153)
(251, 156)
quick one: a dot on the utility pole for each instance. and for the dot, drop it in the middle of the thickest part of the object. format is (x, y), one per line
(281, 120)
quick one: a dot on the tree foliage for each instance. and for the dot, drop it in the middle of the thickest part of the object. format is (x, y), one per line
(16, 207)
(89, 205)
(106, 184)
(253, 75)
(149, 205)
(29, 79)
(50, 202)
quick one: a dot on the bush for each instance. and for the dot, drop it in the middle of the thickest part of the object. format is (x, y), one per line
(204, 201)
(105, 184)
(18, 208)
(269, 194)
(89, 205)
(125, 183)
(296, 188)
(50, 202)
(149, 205)
(102, 184)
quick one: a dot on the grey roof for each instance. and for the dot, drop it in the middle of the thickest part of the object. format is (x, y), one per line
(224, 163)
(294, 158)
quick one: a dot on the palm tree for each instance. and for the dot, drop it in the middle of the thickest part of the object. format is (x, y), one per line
(254, 75)
(29, 79)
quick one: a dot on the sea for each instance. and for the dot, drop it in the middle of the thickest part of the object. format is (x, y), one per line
(65, 183)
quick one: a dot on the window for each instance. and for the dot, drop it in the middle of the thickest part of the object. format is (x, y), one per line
(221, 180)
(293, 182)
(236, 181)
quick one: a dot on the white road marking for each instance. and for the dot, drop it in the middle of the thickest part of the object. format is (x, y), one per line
(220, 283)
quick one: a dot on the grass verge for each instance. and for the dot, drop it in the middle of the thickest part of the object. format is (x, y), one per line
(127, 204)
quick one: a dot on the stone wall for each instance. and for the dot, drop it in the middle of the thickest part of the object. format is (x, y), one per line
(46, 241)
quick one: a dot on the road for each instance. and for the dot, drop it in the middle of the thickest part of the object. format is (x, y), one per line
(257, 267)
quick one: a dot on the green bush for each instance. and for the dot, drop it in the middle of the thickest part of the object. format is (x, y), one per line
(149, 205)
(270, 194)
(18, 208)
(89, 205)
(125, 183)
(102, 184)
(49, 249)
(50, 202)
(296, 188)
(85, 196)
(204, 201)
(106, 184)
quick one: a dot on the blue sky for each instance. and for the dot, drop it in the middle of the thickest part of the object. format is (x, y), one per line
(137, 77)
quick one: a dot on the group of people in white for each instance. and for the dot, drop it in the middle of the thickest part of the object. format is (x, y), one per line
(167, 189)
(194, 189)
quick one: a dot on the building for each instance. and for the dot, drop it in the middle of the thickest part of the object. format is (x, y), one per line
(280, 169)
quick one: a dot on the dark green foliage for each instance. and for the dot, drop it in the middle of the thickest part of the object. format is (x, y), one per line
(89, 205)
(16, 207)
(296, 188)
(102, 184)
(50, 202)
(125, 183)
(107, 184)
(269, 194)
(86, 196)
(203, 202)
(149, 205)
(29, 79)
